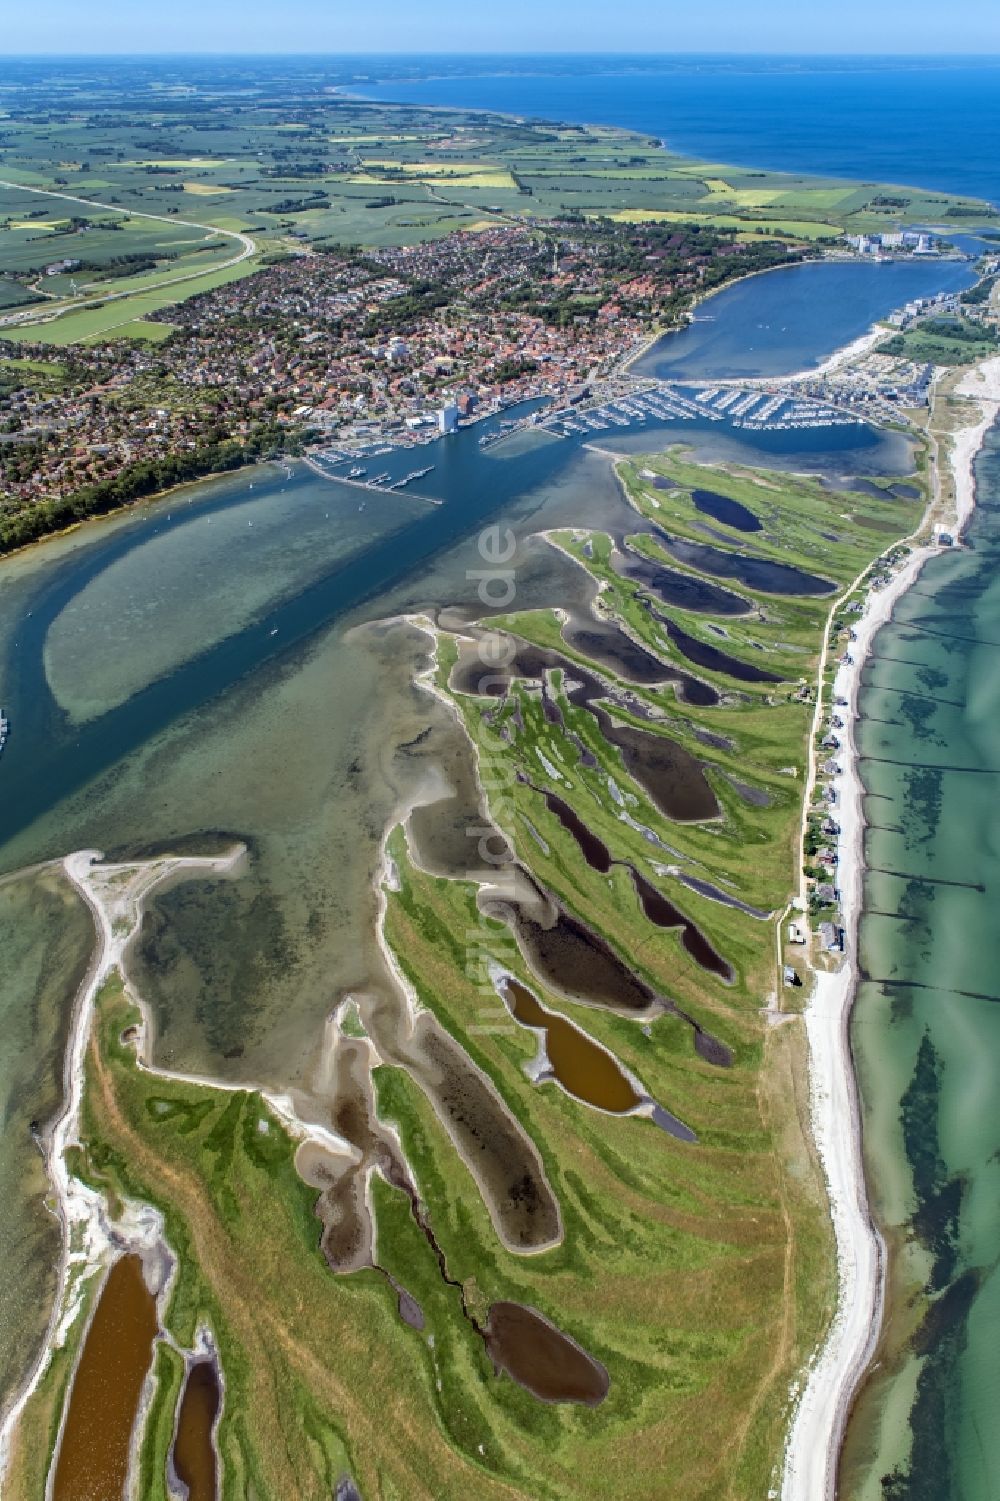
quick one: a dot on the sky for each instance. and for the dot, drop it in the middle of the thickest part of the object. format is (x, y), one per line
(339, 26)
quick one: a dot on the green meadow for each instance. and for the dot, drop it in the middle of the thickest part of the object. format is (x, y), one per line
(344, 172)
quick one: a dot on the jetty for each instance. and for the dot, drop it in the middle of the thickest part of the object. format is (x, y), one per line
(320, 463)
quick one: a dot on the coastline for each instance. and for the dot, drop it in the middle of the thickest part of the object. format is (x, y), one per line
(815, 1436)
(837, 1073)
(698, 299)
(623, 367)
(78, 1208)
(137, 503)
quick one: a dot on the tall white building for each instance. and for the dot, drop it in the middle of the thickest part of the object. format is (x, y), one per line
(448, 418)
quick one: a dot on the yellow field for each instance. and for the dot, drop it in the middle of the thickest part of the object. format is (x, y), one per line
(475, 180)
(799, 229)
(374, 136)
(438, 169)
(743, 197)
(617, 174)
(439, 176)
(707, 170)
(172, 161)
(37, 223)
(206, 189)
(815, 199)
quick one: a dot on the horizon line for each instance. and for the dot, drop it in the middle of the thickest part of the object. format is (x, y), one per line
(548, 52)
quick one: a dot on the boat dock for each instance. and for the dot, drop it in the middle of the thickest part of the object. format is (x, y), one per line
(760, 407)
(324, 462)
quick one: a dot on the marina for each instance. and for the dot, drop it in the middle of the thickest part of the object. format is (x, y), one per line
(760, 408)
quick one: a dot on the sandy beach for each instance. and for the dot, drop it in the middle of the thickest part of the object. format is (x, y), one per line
(816, 1434)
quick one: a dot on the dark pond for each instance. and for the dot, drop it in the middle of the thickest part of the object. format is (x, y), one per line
(728, 511)
(684, 590)
(710, 657)
(595, 851)
(574, 961)
(663, 912)
(541, 1358)
(674, 779)
(656, 907)
(610, 647)
(194, 1446)
(754, 572)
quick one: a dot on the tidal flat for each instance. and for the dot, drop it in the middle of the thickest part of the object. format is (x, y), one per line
(46, 938)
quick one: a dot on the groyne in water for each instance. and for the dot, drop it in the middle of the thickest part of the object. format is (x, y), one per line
(926, 1026)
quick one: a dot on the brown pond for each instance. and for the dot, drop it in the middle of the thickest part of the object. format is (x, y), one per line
(580, 1065)
(93, 1455)
(539, 1357)
(194, 1447)
(570, 958)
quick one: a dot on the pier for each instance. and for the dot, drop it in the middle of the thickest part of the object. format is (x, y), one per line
(377, 484)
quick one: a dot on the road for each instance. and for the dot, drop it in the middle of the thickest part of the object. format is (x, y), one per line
(248, 247)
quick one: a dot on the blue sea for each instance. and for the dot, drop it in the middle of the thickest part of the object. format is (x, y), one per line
(931, 123)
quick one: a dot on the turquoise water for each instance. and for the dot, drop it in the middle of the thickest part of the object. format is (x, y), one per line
(927, 1023)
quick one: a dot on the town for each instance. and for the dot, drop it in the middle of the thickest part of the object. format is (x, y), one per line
(389, 345)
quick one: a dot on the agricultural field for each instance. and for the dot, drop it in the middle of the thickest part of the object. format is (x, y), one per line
(296, 168)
